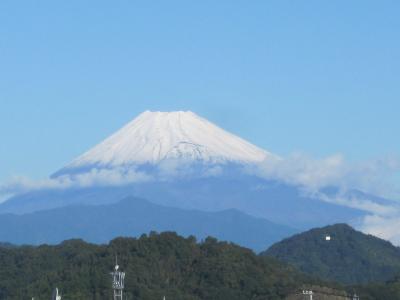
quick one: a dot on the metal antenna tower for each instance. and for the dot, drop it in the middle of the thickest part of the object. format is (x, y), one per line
(118, 279)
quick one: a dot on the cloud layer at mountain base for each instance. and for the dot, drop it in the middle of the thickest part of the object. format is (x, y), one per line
(311, 175)
(376, 177)
(95, 177)
(383, 226)
(372, 176)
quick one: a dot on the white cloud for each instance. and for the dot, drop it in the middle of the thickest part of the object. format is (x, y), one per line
(360, 203)
(373, 176)
(376, 177)
(95, 177)
(384, 227)
(5, 196)
(312, 175)
(302, 170)
(116, 176)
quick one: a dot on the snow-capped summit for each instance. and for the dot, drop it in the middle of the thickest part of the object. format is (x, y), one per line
(156, 136)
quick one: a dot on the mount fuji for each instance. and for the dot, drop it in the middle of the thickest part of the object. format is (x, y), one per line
(180, 160)
(163, 141)
(157, 136)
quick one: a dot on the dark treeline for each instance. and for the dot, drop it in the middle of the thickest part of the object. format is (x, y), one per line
(158, 265)
(155, 265)
(350, 257)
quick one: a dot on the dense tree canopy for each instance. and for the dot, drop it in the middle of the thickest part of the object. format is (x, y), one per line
(348, 257)
(155, 265)
(163, 264)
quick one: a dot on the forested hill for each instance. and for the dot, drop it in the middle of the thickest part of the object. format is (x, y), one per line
(380, 291)
(349, 257)
(155, 265)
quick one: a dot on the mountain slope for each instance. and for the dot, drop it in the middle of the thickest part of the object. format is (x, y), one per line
(380, 291)
(163, 265)
(274, 201)
(133, 217)
(181, 160)
(350, 257)
(154, 137)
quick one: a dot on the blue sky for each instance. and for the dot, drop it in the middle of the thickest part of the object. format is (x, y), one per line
(319, 77)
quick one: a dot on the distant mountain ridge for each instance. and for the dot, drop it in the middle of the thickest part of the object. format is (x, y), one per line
(133, 217)
(274, 201)
(181, 160)
(347, 256)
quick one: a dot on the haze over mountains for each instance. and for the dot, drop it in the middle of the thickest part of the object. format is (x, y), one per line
(182, 161)
(133, 217)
